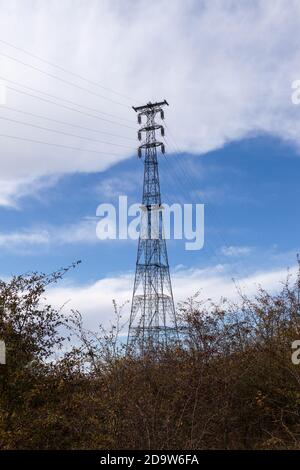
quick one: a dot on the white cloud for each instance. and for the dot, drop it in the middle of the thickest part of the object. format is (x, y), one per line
(82, 232)
(11, 190)
(114, 186)
(24, 238)
(225, 67)
(232, 251)
(94, 300)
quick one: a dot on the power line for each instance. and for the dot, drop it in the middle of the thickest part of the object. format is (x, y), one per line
(63, 80)
(65, 70)
(66, 123)
(62, 132)
(58, 145)
(64, 99)
(219, 235)
(68, 107)
(176, 189)
(176, 181)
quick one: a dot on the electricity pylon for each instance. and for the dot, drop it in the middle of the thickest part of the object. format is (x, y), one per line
(152, 321)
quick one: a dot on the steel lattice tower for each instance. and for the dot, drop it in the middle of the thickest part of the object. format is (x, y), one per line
(152, 319)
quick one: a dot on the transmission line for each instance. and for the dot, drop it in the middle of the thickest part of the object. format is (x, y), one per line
(58, 67)
(68, 107)
(64, 99)
(58, 145)
(62, 80)
(62, 132)
(189, 181)
(66, 123)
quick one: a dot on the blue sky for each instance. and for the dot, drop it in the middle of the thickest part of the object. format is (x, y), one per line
(236, 149)
(249, 189)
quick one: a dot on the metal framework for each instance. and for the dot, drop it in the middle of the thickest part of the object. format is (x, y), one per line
(153, 319)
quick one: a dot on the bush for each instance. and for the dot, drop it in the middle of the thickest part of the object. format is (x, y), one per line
(231, 384)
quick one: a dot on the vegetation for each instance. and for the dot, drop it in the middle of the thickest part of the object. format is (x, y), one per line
(232, 386)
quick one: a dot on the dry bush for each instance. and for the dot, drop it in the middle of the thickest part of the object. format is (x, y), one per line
(230, 385)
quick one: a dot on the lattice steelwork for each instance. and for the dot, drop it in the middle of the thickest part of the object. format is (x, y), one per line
(153, 318)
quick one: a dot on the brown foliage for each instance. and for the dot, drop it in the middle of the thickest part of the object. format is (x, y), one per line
(231, 385)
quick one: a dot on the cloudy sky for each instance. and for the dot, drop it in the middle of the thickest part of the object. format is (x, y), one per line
(73, 69)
